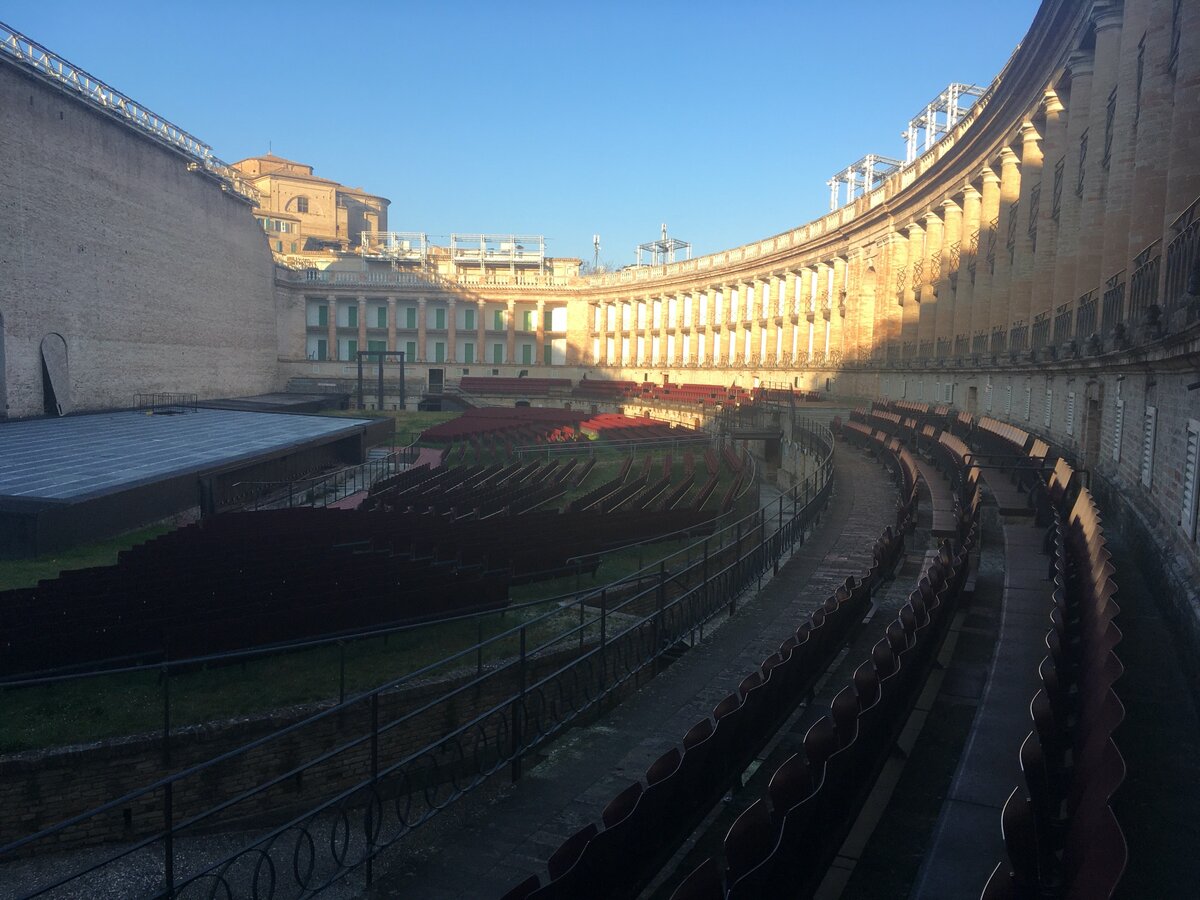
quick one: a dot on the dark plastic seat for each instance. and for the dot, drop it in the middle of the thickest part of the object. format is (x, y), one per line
(524, 889)
(704, 883)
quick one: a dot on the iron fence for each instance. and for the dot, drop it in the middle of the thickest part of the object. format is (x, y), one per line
(341, 785)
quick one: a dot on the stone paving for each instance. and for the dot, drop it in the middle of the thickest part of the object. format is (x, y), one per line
(495, 839)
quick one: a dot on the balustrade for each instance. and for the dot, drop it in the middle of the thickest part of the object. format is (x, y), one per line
(1085, 316)
(1040, 333)
(925, 350)
(979, 344)
(999, 341)
(943, 348)
(1064, 321)
(1018, 338)
(1183, 263)
(1112, 311)
(1143, 284)
(962, 346)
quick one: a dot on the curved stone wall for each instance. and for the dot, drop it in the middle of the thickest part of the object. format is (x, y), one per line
(1038, 264)
(156, 279)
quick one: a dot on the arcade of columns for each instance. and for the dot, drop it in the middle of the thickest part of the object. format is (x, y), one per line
(1050, 238)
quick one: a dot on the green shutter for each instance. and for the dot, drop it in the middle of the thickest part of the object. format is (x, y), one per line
(323, 316)
(352, 316)
(527, 354)
(548, 321)
(468, 353)
(410, 317)
(439, 352)
(498, 322)
(351, 349)
(377, 346)
(381, 313)
(547, 354)
(497, 353)
(469, 319)
(410, 351)
(322, 349)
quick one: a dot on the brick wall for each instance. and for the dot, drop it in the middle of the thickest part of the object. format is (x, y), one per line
(156, 279)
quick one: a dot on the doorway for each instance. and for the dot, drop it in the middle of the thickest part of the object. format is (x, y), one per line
(437, 380)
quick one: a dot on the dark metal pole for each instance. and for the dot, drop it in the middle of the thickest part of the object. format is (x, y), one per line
(359, 354)
(380, 406)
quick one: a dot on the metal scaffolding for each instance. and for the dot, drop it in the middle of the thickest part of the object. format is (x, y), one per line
(663, 250)
(939, 116)
(511, 249)
(397, 246)
(862, 176)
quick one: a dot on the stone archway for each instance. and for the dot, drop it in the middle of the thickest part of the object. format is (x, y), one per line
(56, 377)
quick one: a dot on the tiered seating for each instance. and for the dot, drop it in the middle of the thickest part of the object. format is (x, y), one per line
(616, 427)
(525, 425)
(473, 384)
(646, 821)
(599, 389)
(782, 844)
(1060, 831)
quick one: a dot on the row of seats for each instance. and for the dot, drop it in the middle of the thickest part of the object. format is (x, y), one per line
(781, 845)
(474, 384)
(1060, 831)
(645, 822)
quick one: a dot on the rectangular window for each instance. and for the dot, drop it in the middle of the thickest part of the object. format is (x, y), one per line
(293, 246)
(527, 320)
(439, 351)
(322, 349)
(352, 316)
(410, 317)
(410, 350)
(351, 349)
(439, 318)
(468, 353)
(1191, 475)
(377, 347)
(323, 316)
(1070, 412)
(498, 320)
(381, 317)
(1049, 408)
(279, 246)
(547, 354)
(987, 398)
(497, 353)
(469, 319)
(548, 320)
(1118, 429)
(1149, 427)
(527, 354)
(302, 204)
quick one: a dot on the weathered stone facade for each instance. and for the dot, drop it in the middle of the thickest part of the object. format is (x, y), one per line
(156, 279)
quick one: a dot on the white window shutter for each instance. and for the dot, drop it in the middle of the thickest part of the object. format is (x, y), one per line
(1049, 405)
(1191, 474)
(1070, 412)
(1028, 402)
(1118, 429)
(1149, 425)
(1008, 402)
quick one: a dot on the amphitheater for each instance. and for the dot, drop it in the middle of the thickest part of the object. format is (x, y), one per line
(859, 560)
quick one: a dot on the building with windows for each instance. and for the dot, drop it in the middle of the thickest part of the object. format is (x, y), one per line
(302, 213)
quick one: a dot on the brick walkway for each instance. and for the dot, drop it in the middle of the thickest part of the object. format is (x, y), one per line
(494, 839)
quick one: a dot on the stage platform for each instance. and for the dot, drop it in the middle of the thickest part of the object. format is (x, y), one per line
(78, 478)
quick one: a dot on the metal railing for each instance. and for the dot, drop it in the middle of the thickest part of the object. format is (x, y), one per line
(1183, 263)
(323, 490)
(368, 783)
(71, 79)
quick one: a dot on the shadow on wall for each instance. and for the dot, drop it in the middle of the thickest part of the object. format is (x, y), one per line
(56, 381)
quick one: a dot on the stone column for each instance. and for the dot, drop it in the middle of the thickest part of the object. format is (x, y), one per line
(1117, 210)
(679, 329)
(989, 239)
(1183, 179)
(1041, 294)
(1066, 262)
(422, 329)
(890, 291)
(510, 350)
(930, 276)
(331, 337)
(948, 279)
(1106, 19)
(481, 332)
(391, 324)
(836, 308)
(539, 351)
(451, 331)
(1024, 247)
(1153, 126)
(1010, 193)
(964, 297)
(787, 290)
(910, 315)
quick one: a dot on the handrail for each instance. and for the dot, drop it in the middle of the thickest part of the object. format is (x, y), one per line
(424, 781)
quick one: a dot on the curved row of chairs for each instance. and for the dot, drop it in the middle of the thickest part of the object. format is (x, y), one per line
(1059, 830)
(644, 823)
(782, 845)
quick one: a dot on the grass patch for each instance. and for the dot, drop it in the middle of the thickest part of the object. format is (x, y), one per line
(19, 573)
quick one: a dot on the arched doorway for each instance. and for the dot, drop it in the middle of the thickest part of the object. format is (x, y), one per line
(56, 378)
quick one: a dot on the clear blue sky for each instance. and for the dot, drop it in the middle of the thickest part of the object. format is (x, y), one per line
(723, 120)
